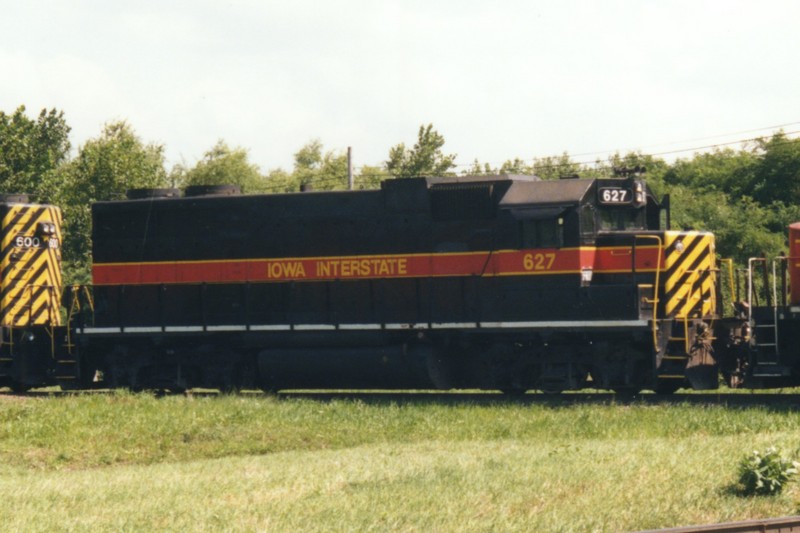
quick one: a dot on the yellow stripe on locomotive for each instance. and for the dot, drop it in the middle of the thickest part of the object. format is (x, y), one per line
(689, 274)
(30, 287)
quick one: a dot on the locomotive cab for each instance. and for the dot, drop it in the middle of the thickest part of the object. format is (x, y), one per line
(624, 205)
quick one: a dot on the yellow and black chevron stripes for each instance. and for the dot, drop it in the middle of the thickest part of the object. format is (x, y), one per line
(689, 274)
(30, 263)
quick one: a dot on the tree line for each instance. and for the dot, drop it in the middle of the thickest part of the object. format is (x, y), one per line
(746, 196)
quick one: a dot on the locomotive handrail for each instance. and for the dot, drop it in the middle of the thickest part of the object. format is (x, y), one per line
(774, 303)
(656, 287)
(775, 297)
(750, 263)
(729, 262)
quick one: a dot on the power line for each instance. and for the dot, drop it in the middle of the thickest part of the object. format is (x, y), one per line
(670, 143)
(669, 152)
(594, 163)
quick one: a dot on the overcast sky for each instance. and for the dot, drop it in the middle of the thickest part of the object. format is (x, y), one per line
(498, 79)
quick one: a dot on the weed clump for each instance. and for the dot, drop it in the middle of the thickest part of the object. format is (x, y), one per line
(766, 473)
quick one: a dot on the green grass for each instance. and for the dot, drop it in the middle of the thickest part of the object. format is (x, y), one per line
(251, 463)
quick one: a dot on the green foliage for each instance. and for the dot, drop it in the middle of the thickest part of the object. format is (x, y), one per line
(223, 165)
(112, 163)
(424, 159)
(31, 151)
(742, 228)
(370, 177)
(721, 170)
(765, 473)
(313, 169)
(323, 172)
(278, 180)
(776, 176)
(104, 169)
(548, 168)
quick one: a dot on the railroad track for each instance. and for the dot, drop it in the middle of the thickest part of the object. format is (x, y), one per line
(781, 400)
(789, 524)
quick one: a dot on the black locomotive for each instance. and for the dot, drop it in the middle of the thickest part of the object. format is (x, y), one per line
(507, 283)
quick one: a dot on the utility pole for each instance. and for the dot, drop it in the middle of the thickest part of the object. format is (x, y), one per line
(349, 168)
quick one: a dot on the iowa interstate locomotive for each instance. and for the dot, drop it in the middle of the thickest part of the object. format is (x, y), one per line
(506, 283)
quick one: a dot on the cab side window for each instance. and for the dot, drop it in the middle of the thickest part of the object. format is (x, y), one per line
(587, 221)
(545, 233)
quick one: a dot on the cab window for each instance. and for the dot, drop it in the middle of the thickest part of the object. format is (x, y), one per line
(621, 219)
(545, 233)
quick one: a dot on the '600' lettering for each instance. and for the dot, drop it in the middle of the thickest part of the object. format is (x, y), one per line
(538, 261)
(23, 241)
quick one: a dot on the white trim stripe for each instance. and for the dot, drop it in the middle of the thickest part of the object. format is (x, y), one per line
(567, 324)
(269, 327)
(564, 324)
(420, 325)
(226, 328)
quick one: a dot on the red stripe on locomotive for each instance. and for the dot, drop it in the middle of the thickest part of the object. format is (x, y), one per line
(500, 263)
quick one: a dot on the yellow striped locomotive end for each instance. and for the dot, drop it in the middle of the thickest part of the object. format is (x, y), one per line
(30, 287)
(689, 275)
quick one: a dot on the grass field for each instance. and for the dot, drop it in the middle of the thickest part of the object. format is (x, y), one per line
(122, 462)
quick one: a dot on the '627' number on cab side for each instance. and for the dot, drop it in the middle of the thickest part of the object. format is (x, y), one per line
(538, 261)
(615, 195)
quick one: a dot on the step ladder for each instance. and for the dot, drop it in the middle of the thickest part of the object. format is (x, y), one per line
(764, 327)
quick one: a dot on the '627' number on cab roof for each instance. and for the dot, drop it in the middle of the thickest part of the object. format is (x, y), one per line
(615, 195)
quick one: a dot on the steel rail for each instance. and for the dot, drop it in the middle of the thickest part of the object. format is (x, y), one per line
(768, 525)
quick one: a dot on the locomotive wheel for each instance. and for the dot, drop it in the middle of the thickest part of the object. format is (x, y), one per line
(19, 388)
(230, 389)
(667, 387)
(514, 392)
(627, 392)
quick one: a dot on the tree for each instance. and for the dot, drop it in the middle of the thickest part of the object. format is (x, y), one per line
(325, 172)
(425, 158)
(479, 169)
(725, 170)
(370, 177)
(551, 168)
(114, 162)
(278, 180)
(222, 165)
(103, 170)
(31, 151)
(776, 175)
(742, 228)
